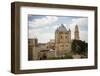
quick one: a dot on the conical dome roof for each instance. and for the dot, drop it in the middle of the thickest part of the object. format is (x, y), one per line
(76, 28)
(62, 28)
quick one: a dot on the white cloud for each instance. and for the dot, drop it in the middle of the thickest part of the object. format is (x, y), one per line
(33, 33)
(40, 33)
(45, 37)
(84, 36)
(82, 23)
(43, 21)
(45, 34)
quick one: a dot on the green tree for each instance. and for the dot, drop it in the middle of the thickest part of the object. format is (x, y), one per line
(79, 47)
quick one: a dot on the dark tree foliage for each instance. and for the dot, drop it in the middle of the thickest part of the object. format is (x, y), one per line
(80, 47)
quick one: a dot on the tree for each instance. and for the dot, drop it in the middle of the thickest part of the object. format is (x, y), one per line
(79, 47)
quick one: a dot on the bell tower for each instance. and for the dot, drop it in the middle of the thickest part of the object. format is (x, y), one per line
(76, 33)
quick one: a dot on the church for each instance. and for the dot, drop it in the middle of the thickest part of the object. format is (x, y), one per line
(54, 48)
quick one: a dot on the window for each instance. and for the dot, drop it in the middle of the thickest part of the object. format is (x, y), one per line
(61, 45)
(61, 37)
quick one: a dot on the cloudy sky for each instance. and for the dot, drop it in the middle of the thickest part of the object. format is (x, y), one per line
(43, 27)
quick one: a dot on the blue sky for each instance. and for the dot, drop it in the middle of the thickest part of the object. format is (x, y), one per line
(43, 27)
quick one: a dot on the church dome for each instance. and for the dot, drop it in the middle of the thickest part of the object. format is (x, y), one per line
(62, 28)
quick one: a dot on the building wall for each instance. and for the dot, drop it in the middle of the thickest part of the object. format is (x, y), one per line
(51, 54)
(60, 46)
(32, 49)
(63, 42)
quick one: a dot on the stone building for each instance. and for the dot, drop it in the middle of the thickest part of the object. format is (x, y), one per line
(33, 49)
(62, 40)
(40, 51)
(57, 47)
(51, 44)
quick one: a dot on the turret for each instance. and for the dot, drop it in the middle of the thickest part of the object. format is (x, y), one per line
(76, 33)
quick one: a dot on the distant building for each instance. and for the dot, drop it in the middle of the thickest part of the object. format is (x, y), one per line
(76, 33)
(51, 44)
(32, 49)
(57, 47)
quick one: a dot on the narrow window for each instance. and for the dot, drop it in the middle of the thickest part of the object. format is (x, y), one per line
(61, 37)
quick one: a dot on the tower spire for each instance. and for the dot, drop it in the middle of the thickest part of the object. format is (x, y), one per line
(76, 33)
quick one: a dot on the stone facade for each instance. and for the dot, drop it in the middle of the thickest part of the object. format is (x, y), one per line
(62, 40)
(33, 49)
(54, 48)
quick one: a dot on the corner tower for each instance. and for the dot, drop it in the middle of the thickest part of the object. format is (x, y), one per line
(76, 33)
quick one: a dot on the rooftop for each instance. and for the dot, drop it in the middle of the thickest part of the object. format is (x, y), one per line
(61, 28)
